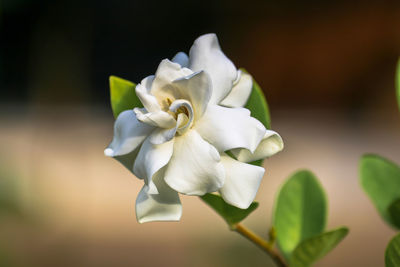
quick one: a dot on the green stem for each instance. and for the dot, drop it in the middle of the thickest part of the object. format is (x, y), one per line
(261, 243)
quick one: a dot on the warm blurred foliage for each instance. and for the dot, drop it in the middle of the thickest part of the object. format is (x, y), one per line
(327, 68)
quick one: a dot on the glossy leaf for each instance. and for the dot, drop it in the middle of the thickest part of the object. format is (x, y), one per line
(398, 83)
(394, 213)
(229, 213)
(314, 248)
(258, 105)
(380, 179)
(300, 211)
(392, 254)
(122, 95)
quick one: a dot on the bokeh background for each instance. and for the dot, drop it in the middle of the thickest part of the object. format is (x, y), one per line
(327, 69)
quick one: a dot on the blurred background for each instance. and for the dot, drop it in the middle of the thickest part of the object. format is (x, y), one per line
(327, 69)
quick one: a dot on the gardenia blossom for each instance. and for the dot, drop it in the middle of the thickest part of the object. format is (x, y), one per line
(192, 115)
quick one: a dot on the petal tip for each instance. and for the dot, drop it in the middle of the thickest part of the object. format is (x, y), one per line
(244, 206)
(167, 218)
(208, 36)
(169, 63)
(109, 152)
(181, 58)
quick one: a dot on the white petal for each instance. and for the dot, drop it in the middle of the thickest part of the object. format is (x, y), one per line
(160, 118)
(195, 167)
(206, 54)
(271, 144)
(164, 206)
(129, 133)
(241, 182)
(161, 135)
(149, 101)
(166, 73)
(147, 82)
(240, 92)
(182, 59)
(228, 128)
(183, 123)
(151, 159)
(197, 89)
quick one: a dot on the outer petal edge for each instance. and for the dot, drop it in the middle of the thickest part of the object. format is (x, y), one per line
(271, 144)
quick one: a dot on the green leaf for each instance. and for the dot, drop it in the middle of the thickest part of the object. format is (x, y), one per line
(380, 179)
(122, 94)
(229, 213)
(392, 254)
(257, 162)
(258, 105)
(394, 213)
(300, 211)
(398, 82)
(314, 248)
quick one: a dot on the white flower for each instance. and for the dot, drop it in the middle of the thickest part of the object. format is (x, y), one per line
(193, 113)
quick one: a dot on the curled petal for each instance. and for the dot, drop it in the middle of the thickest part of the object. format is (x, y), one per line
(183, 122)
(241, 182)
(206, 54)
(129, 133)
(185, 116)
(240, 92)
(197, 89)
(270, 144)
(163, 206)
(195, 167)
(149, 101)
(151, 159)
(166, 73)
(229, 128)
(158, 119)
(182, 59)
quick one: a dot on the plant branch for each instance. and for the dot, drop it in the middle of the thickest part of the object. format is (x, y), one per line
(261, 243)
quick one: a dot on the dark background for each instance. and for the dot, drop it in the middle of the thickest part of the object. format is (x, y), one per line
(339, 54)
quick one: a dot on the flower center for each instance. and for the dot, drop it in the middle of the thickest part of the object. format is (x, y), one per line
(183, 110)
(183, 113)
